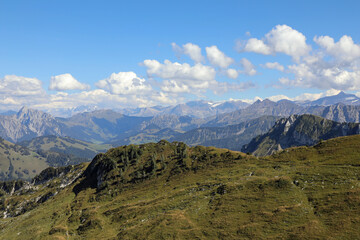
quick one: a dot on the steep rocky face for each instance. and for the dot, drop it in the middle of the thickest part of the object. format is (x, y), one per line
(342, 113)
(299, 130)
(27, 124)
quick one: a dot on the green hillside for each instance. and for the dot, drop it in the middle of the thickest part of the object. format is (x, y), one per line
(29, 158)
(172, 191)
(19, 162)
(76, 150)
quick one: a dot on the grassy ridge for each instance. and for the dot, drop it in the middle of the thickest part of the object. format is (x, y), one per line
(162, 191)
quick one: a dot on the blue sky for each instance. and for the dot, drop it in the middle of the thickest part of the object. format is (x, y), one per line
(58, 54)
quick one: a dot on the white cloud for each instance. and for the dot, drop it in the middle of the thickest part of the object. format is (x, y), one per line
(322, 75)
(174, 87)
(257, 46)
(192, 50)
(65, 82)
(274, 65)
(165, 98)
(251, 101)
(124, 83)
(301, 98)
(278, 98)
(314, 96)
(217, 57)
(248, 67)
(232, 73)
(182, 77)
(335, 66)
(9, 101)
(345, 49)
(281, 39)
(12, 85)
(17, 91)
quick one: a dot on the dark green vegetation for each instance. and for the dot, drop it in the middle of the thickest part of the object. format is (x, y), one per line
(171, 191)
(298, 130)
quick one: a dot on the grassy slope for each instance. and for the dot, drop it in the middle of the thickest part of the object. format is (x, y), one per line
(300, 193)
(25, 164)
(65, 145)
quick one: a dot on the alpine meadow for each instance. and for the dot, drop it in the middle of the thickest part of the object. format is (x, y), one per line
(179, 120)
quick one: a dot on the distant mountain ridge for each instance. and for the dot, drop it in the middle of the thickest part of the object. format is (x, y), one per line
(298, 130)
(194, 109)
(344, 98)
(257, 109)
(232, 137)
(108, 126)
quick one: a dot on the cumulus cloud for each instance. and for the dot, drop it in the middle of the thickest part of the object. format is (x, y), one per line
(345, 49)
(232, 73)
(17, 91)
(192, 50)
(336, 65)
(274, 65)
(124, 83)
(314, 96)
(276, 98)
(249, 68)
(281, 39)
(12, 85)
(181, 77)
(65, 82)
(322, 75)
(257, 46)
(217, 57)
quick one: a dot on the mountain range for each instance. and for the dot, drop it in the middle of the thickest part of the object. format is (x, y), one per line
(108, 126)
(232, 137)
(194, 109)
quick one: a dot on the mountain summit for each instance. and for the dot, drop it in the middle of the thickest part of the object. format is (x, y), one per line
(27, 124)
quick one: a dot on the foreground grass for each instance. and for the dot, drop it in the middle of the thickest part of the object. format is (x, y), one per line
(300, 193)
